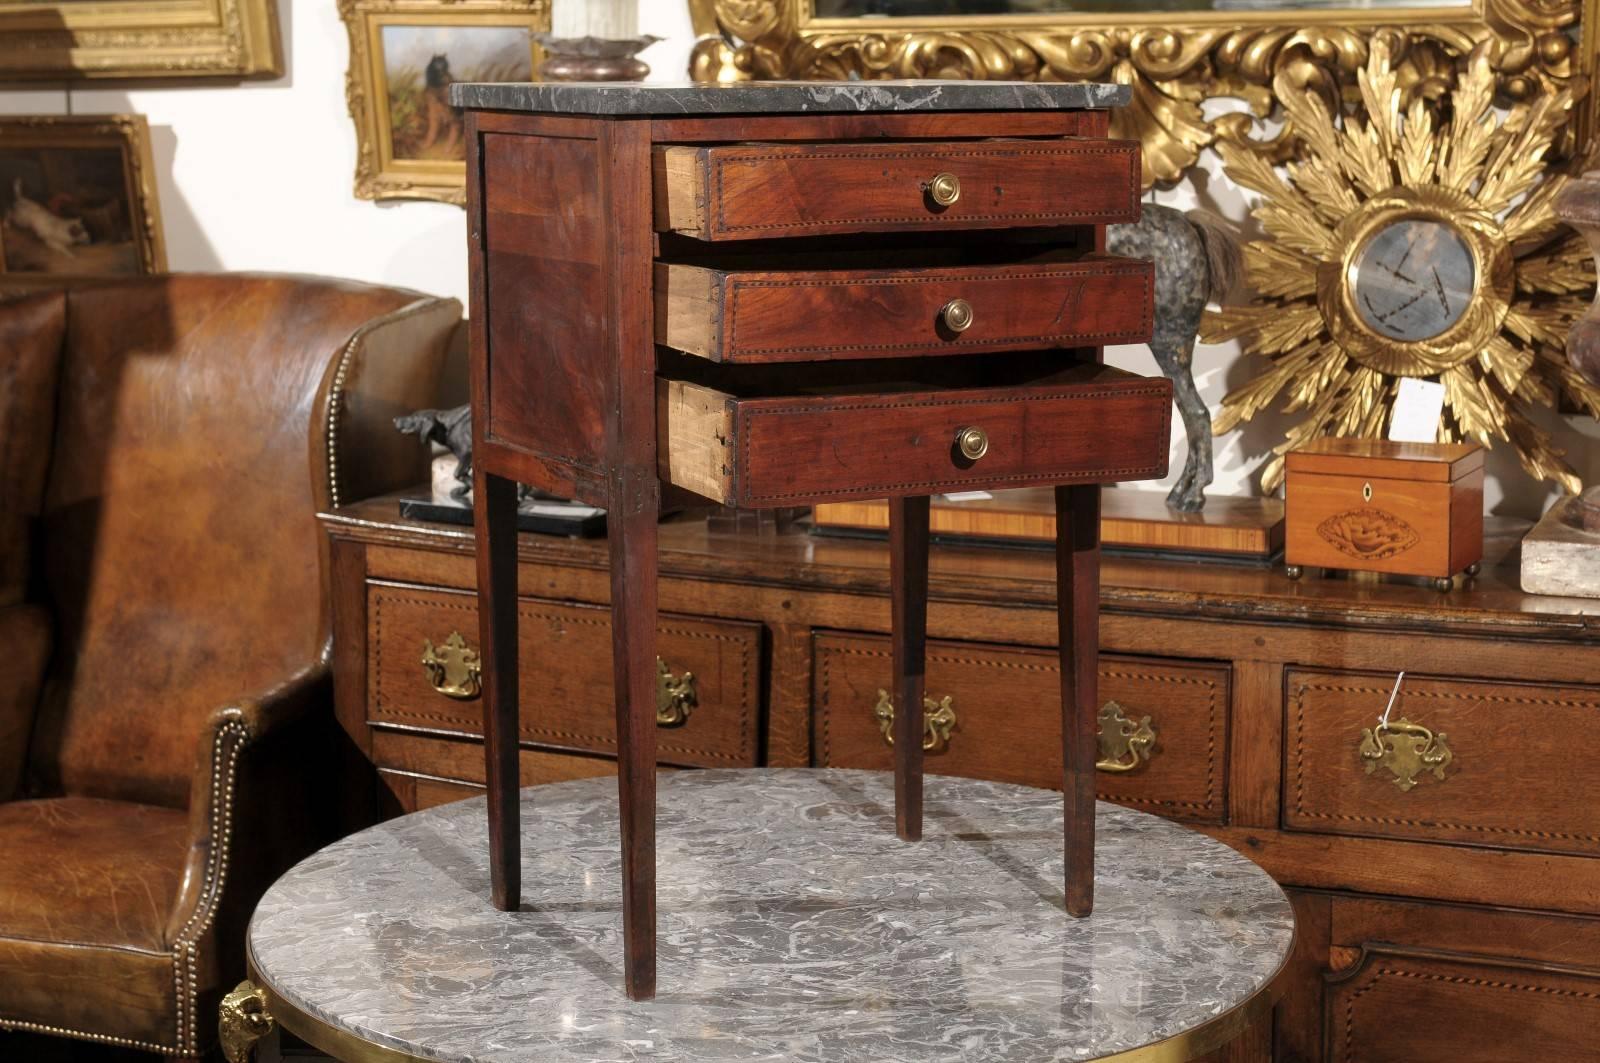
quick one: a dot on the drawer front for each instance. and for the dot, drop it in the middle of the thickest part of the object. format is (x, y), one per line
(565, 676)
(746, 191)
(1400, 526)
(1483, 763)
(755, 452)
(751, 316)
(1400, 1006)
(1007, 720)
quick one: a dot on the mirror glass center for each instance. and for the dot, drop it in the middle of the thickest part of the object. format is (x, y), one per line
(1414, 279)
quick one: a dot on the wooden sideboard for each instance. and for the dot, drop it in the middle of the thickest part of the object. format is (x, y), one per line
(1440, 919)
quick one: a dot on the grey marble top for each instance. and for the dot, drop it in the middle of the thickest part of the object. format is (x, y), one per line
(784, 97)
(794, 925)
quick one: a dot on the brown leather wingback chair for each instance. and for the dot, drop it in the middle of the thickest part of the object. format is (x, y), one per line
(165, 750)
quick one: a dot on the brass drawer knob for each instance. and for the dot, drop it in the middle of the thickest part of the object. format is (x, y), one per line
(1125, 743)
(452, 667)
(956, 315)
(973, 443)
(1405, 750)
(675, 696)
(938, 720)
(944, 189)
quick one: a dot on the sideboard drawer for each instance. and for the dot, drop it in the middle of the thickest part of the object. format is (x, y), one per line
(1092, 423)
(1401, 1005)
(1006, 709)
(745, 191)
(565, 677)
(809, 315)
(1475, 762)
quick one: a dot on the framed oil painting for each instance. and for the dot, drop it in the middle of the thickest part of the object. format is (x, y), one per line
(68, 39)
(77, 199)
(404, 55)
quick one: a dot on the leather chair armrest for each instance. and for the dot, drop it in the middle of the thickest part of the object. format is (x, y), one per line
(230, 729)
(25, 634)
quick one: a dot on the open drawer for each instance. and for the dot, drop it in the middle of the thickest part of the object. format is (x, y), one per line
(788, 315)
(741, 441)
(750, 191)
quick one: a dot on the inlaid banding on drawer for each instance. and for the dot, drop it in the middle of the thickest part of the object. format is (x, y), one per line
(747, 191)
(566, 679)
(782, 316)
(1454, 751)
(1006, 703)
(1103, 426)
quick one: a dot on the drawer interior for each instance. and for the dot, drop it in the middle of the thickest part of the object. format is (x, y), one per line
(885, 250)
(879, 376)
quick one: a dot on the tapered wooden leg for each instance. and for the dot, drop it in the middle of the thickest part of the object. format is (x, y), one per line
(1078, 622)
(495, 525)
(908, 574)
(632, 529)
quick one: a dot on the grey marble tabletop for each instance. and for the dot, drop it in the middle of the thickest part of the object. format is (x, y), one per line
(794, 925)
(784, 97)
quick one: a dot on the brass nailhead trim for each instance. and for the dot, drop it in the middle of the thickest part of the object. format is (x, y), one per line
(84, 1035)
(342, 374)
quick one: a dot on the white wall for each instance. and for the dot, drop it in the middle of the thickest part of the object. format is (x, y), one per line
(258, 176)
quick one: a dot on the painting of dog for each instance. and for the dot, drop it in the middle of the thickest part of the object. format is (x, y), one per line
(420, 62)
(66, 210)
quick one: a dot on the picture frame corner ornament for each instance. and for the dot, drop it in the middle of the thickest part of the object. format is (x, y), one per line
(1173, 67)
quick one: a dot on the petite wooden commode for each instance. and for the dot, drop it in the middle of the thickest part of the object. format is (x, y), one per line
(779, 294)
(1371, 505)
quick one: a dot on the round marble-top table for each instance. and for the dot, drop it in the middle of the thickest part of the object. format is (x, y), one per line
(794, 925)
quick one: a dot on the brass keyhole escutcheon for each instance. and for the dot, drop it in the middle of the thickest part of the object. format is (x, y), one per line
(956, 315)
(944, 189)
(1366, 492)
(973, 443)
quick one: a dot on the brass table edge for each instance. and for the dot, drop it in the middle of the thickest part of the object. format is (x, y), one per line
(1179, 1048)
(322, 1035)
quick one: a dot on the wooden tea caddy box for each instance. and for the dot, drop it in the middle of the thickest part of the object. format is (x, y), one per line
(772, 295)
(1408, 509)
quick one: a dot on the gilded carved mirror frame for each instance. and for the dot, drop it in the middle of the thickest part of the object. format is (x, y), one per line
(1174, 62)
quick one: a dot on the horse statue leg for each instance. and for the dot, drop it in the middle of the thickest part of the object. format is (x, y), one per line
(1197, 257)
(1188, 494)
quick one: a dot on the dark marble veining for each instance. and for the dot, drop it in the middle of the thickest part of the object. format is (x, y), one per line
(794, 926)
(784, 97)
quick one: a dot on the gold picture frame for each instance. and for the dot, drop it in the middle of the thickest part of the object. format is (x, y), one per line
(1174, 62)
(69, 39)
(436, 171)
(77, 199)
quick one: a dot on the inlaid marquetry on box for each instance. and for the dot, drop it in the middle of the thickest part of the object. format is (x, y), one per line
(1410, 509)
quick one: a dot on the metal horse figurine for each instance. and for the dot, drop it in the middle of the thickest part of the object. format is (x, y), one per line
(451, 429)
(1197, 257)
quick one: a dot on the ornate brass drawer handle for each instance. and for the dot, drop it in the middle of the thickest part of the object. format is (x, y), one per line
(675, 696)
(1407, 750)
(1125, 743)
(452, 667)
(938, 720)
(944, 189)
(453, 670)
